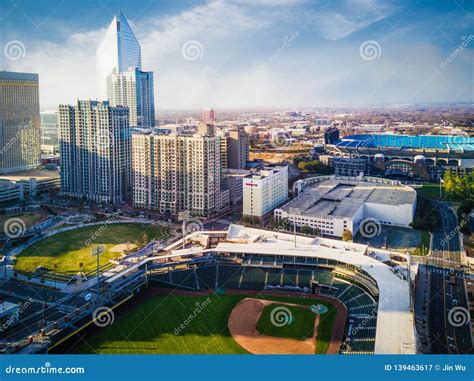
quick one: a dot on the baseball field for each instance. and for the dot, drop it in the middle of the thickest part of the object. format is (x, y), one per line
(208, 323)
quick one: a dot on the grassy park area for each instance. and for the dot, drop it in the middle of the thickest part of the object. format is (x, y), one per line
(65, 252)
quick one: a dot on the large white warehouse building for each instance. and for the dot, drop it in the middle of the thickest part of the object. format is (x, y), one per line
(333, 204)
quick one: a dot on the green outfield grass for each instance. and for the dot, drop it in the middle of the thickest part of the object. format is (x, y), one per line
(68, 249)
(178, 325)
(296, 322)
(432, 191)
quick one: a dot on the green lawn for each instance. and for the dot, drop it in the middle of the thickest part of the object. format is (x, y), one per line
(431, 190)
(68, 249)
(296, 322)
(185, 325)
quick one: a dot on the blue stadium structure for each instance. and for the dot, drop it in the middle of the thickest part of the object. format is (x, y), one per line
(426, 157)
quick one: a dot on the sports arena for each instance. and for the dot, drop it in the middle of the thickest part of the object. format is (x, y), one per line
(424, 156)
(248, 273)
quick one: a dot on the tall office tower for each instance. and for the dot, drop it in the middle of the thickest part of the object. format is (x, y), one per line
(207, 116)
(174, 173)
(238, 149)
(49, 131)
(94, 141)
(118, 51)
(20, 134)
(133, 88)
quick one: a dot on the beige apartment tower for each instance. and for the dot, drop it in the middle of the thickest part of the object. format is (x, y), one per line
(174, 173)
(20, 131)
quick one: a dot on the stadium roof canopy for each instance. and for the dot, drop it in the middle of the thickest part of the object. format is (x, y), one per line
(428, 142)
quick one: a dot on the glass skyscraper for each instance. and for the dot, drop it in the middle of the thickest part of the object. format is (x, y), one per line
(120, 78)
(19, 122)
(118, 51)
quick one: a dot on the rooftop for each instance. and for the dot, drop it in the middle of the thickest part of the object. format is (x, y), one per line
(342, 197)
(39, 174)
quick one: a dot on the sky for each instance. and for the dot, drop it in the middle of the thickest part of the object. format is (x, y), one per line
(251, 54)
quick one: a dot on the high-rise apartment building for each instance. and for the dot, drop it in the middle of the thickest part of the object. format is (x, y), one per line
(207, 116)
(238, 149)
(133, 88)
(264, 191)
(20, 136)
(94, 140)
(173, 173)
(120, 78)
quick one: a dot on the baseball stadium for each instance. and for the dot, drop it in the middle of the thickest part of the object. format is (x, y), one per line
(248, 290)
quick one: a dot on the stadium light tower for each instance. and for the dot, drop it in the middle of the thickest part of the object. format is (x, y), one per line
(294, 211)
(97, 250)
(184, 216)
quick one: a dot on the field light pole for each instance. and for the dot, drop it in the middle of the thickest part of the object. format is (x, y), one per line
(294, 212)
(97, 251)
(183, 216)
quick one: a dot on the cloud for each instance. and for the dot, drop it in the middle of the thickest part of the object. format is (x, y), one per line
(321, 66)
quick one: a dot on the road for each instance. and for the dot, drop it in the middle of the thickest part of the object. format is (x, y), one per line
(445, 335)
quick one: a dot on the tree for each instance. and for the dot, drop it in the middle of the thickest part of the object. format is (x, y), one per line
(346, 235)
(307, 230)
(284, 223)
(255, 220)
(448, 181)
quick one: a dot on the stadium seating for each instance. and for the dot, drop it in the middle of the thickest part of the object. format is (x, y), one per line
(253, 278)
(206, 276)
(260, 273)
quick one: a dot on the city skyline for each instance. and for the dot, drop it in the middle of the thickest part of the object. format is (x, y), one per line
(249, 55)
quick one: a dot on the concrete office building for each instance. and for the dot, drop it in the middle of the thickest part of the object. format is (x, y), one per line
(238, 149)
(173, 173)
(264, 190)
(95, 151)
(20, 138)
